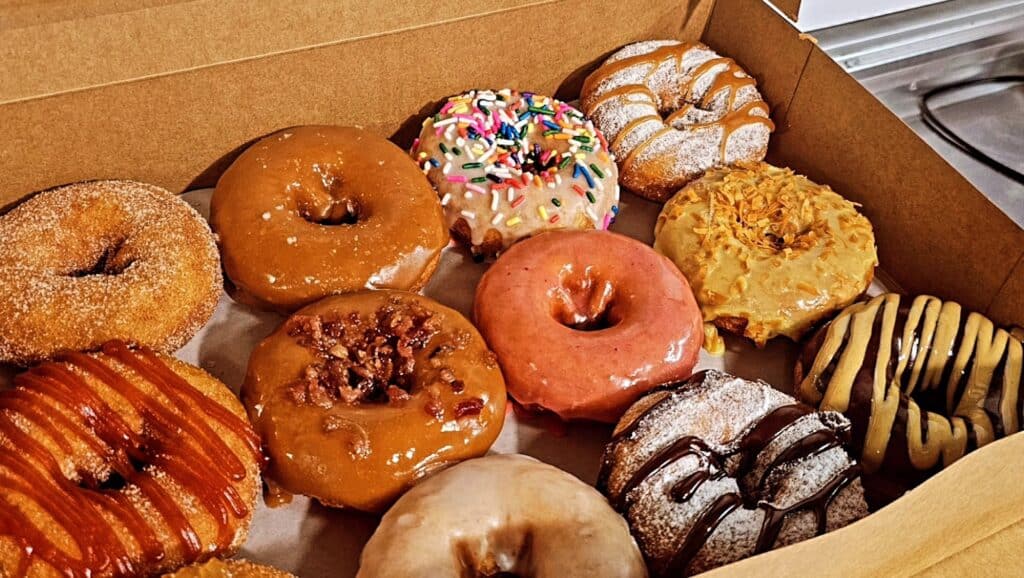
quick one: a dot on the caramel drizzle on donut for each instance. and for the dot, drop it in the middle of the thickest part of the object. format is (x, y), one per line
(936, 348)
(753, 443)
(732, 78)
(189, 451)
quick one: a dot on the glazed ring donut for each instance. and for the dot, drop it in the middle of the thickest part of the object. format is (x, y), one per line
(358, 396)
(509, 165)
(122, 463)
(673, 110)
(90, 262)
(584, 322)
(217, 568)
(717, 468)
(320, 210)
(502, 515)
(767, 252)
(922, 381)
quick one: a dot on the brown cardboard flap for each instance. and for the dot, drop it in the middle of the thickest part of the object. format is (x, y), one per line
(936, 233)
(791, 8)
(970, 509)
(174, 129)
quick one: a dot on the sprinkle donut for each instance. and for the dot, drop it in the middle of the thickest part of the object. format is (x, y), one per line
(319, 210)
(508, 165)
(584, 322)
(90, 262)
(672, 110)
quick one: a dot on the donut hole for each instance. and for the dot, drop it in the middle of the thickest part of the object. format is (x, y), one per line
(114, 481)
(584, 301)
(110, 262)
(334, 212)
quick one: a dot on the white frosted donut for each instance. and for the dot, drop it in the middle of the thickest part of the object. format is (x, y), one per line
(502, 514)
(672, 110)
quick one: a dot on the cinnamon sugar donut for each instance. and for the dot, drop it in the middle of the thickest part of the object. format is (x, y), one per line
(923, 382)
(358, 396)
(502, 515)
(124, 462)
(717, 468)
(101, 260)
(509, 165)
(768, 252)
(672, 110)
(313, 211)
(217, 568)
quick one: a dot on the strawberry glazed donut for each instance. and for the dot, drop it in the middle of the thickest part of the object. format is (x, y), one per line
(585, 322)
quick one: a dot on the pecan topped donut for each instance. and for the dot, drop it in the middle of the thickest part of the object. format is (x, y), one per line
(358, 396)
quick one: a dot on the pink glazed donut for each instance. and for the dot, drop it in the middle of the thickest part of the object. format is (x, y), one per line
(585, 322)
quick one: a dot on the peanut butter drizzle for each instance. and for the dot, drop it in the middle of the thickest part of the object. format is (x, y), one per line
(726, 79)
(936, 348)
(190, 452)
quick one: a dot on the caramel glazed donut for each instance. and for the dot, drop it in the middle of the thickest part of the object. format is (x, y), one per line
(90, 262)
(217, 568)
(715, 115)
(502, 515)
(358, 396)
(319, 210)
(717, 468)
(922, 381)
(124, 462)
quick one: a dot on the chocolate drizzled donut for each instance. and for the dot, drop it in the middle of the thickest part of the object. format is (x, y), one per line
(921, 381)
(718, 468)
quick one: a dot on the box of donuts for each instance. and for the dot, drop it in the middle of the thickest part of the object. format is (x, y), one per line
(555, 288)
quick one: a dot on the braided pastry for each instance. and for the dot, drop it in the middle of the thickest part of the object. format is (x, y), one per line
(672, 110)
(922, 382)
(717, 468)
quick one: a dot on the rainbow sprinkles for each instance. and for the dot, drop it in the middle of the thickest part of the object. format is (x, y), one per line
(509, 165)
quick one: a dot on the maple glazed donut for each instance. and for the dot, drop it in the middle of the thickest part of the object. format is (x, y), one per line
(768, 252)
(123, 462)
(584, 322)
(319, 210)
(95, 261)
(923, 382)
(358, 396)
(509, 165)
(672, 110)
(502, 515)
(718, 468)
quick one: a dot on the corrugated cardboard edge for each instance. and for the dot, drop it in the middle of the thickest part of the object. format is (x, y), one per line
(791, 8)
(970, 509)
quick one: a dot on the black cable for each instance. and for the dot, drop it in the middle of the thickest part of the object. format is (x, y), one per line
(952, 138)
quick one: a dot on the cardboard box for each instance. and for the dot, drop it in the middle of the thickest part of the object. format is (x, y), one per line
(169, 91)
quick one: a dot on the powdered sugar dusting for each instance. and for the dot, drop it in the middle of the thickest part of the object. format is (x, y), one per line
(101, 260)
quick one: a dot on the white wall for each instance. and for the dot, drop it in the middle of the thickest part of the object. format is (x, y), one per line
(815, 14)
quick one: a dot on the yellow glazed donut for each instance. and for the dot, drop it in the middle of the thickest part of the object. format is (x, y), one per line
(766, 251)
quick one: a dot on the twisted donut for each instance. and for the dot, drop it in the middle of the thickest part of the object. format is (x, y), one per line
(922, 381)
(672, 110)
(121, 463)
(717, 468)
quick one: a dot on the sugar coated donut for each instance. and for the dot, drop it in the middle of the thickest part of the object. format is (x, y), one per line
(122, 463)
(319, 210)
(923, 382)
(768, 252)
(718, 468)
(584, 322)
(509, 165)
(358, 396)
(503, 515)
(217, 568)
(101, 260)
(672, 110)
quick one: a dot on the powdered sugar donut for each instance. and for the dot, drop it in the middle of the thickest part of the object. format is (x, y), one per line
(672, 110)
(509, 165)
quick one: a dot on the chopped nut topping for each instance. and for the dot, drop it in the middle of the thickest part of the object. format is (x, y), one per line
(468, 407)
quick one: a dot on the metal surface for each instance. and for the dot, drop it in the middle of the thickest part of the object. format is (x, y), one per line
(900, 56)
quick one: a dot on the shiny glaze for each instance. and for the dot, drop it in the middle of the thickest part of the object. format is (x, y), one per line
(923, 381)
(585, 322)
(190, 451)
(371, 452)
(268, 206)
